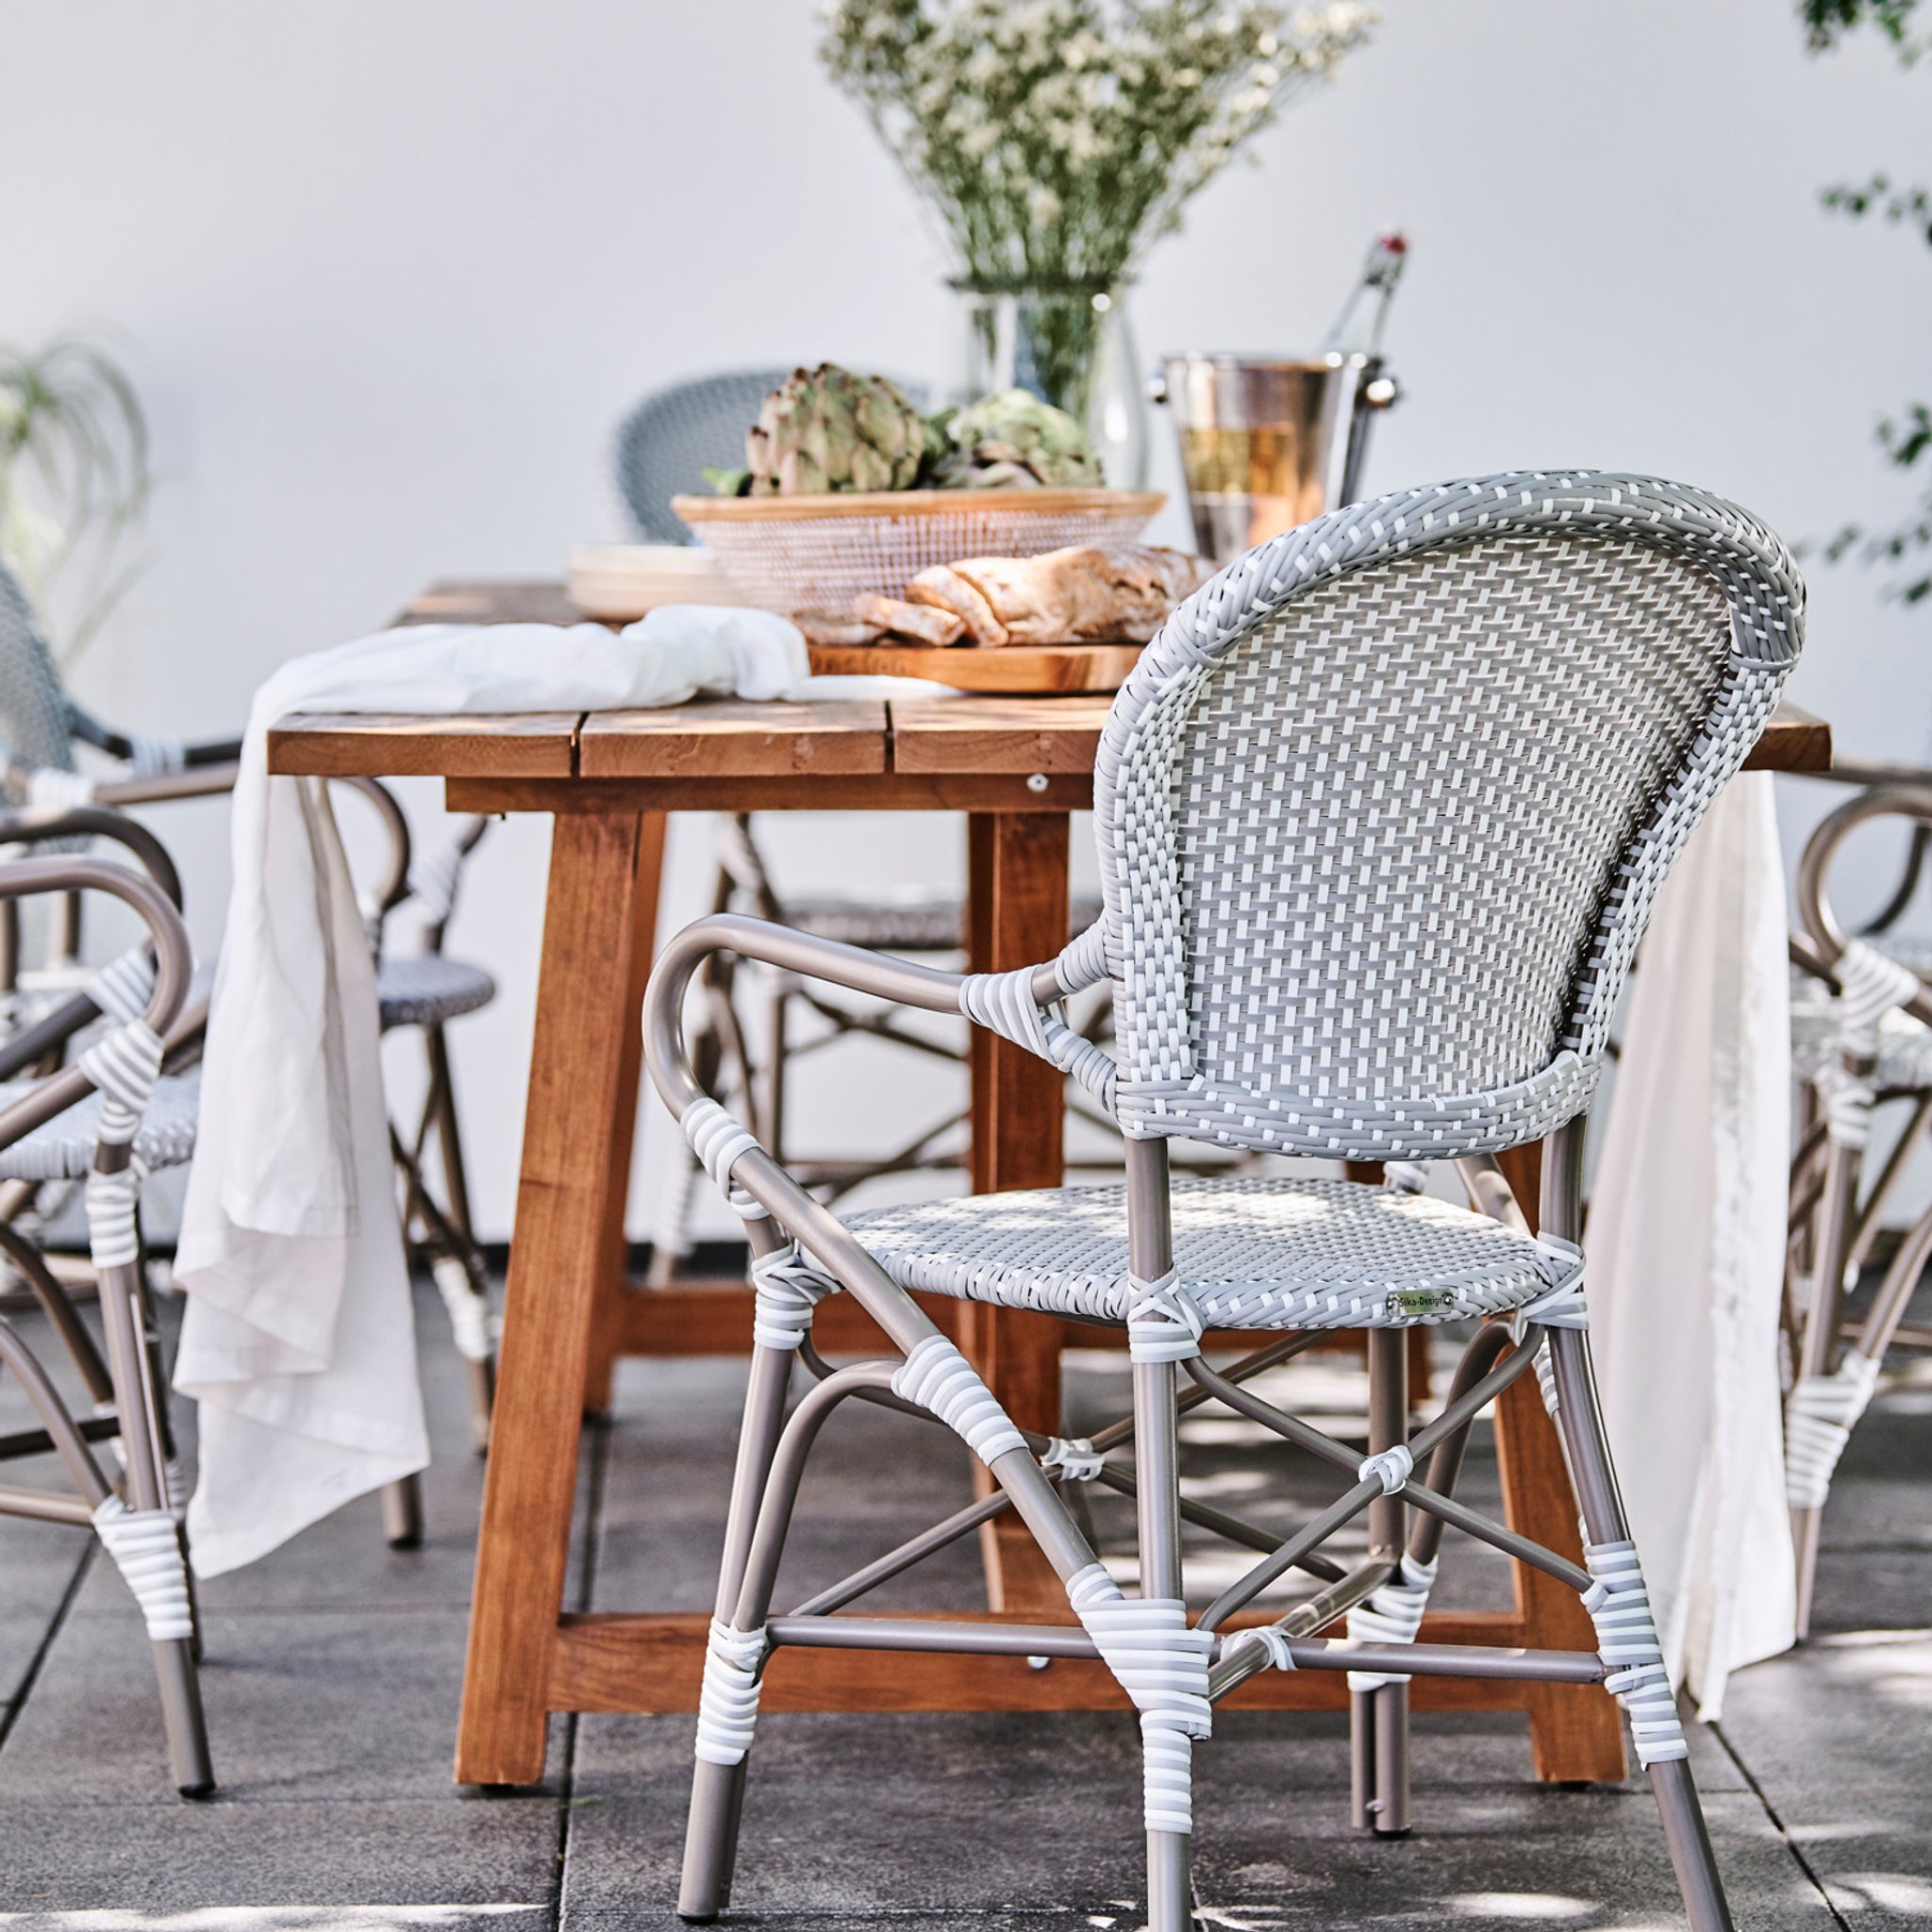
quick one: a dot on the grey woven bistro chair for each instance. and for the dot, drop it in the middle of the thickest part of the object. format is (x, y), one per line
(40, 728)
(1860, 1042)
(107, 1119)
(1381, 814)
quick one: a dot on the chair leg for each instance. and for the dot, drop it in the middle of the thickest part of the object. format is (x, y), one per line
(1378, 1718)
(138, 1406)
(468, 1298)
(1835, 1221)
(1660, 1743)
(1156, 1457)
(401, 1513)
(717, 1795)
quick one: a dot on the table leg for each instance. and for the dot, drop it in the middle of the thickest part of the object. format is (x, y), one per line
(609, 1317)
(1575, 1734)
(1017, 916)
(569, 1196)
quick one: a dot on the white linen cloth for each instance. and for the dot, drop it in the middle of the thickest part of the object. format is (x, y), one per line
(297, 1340)
(1686, 1251)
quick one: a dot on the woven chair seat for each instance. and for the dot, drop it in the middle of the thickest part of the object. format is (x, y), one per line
(1251, 1254)
(428, 988)
(1904, 1045)
(62, 1149)
(925, 925)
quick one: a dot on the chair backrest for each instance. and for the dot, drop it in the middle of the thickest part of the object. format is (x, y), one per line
(667, 443)
(33, 706)
(1383, 808)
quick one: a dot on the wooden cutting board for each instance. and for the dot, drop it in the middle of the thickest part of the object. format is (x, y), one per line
(1017, 670)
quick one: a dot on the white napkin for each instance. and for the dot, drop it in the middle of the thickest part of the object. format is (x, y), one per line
(297, 1340)
(1686, 1246)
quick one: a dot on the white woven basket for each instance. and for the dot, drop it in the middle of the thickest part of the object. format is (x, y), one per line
(794, 553)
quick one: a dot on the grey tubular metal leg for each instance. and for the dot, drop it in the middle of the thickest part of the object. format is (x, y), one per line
(137, 1401)
(1379, 1719)
(1579, 1419)
(1156, 1470)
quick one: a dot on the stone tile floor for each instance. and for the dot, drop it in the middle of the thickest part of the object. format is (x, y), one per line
(334, 1666)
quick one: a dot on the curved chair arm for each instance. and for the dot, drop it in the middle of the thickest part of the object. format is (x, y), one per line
(36, 825)
(40, 785)
(728, 1150)
(177, 754)
(393, 885)
(1827, 938)
(173, 965)
(1023, 1005)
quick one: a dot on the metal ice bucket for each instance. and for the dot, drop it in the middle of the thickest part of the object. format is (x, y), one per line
(1266, 443)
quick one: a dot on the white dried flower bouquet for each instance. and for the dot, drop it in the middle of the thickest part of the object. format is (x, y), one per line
(1057, 137)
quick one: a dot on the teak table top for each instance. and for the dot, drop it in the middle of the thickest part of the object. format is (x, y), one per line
(1017, 768)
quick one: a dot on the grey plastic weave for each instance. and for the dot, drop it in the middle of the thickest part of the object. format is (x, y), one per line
(667, 442)
(1383, 808)
(33, 707)
(427, 989)
(1253, 1254)
(62, 1149)
(1905, 1047)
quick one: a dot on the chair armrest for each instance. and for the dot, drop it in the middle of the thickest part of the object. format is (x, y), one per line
(174, 754)
(1825, 940)
(40, 825)
(35, 825)
(173, 965)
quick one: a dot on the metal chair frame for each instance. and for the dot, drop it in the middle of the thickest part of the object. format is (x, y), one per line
(1503, 1082)
(137, 1518)
(1834, 1362)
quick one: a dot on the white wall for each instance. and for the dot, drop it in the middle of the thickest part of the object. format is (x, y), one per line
(387, 274)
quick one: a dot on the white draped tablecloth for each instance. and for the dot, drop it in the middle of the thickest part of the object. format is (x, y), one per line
(297, 1340)
(1686, 1240)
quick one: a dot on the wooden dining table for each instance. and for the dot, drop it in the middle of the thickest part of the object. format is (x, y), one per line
(1016, 768)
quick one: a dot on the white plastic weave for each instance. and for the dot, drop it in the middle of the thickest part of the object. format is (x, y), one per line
(123, 1066)
(1163, 1323)
(937, 1377)
(1619, 1605)
(123, 988)
(1391, 1468)
(1073, 1460)
(728, 1697)
(1383, 810)
(1562, 1305)
(58, 789)
(718, 1142)
(1872, 988)
(1275, 1253)
(153, 757)
(427, 989)
(789, 1286)
(1391, 1614)
(468, 1312)
(1267, 1637)
(145, 1545)
(1004, 1003)
(1818, 1415)
(1162, 1666)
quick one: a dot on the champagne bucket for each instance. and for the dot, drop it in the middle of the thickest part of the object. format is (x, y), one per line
(1267, 442)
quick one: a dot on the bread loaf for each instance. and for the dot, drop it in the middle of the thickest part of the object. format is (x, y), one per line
(1063, 596)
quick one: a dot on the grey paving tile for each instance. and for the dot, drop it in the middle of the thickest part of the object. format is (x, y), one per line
(38, 1562)
(1012, 1821)
(1875, 1499)
(1837, 1733)
(118, 1866)
(327, 1706)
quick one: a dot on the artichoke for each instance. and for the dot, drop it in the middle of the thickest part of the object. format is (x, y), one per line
(1013, 439)
(826, 429)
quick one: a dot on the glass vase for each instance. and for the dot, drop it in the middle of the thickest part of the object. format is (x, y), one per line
(1069, 343)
